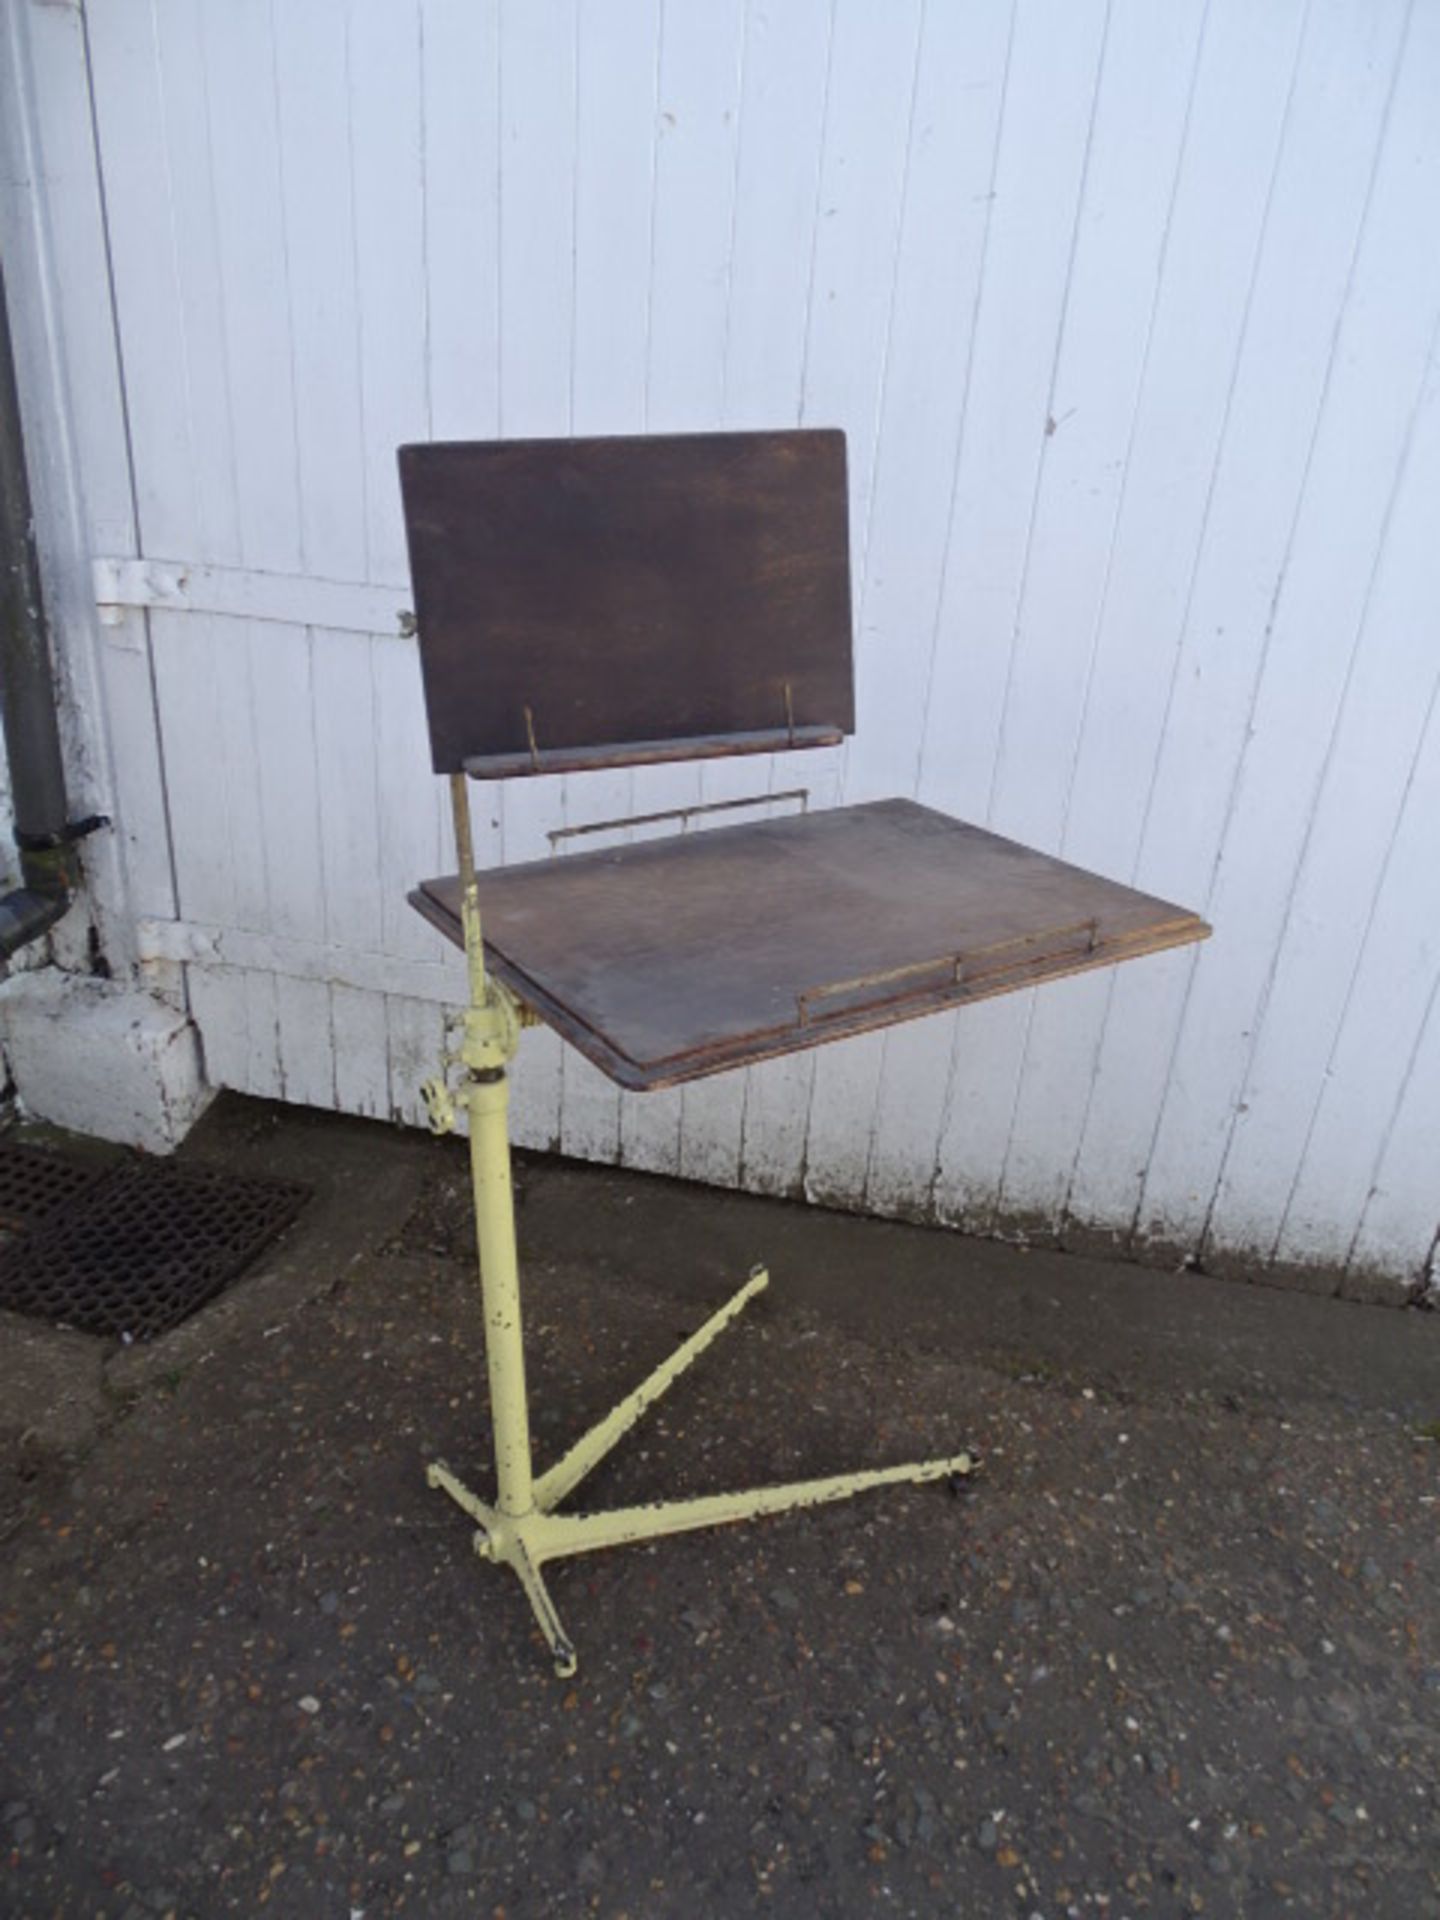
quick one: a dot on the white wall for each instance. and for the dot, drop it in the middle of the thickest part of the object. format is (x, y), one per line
(1129, 313)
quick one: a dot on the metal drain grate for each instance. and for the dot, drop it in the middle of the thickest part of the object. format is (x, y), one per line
(35, 1184)
(146, 1244)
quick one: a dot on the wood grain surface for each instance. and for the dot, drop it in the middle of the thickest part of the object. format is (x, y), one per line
(672, 959)
(592, 593)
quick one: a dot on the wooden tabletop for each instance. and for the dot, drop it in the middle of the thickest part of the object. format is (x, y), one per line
(665, 960)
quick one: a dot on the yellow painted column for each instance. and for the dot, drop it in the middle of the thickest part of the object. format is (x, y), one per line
(491, 1034)
(488, 1099)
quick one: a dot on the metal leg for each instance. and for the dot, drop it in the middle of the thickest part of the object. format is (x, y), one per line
(437, 1474)
(587, 1452)
(556, 1535)
(506, 1543)
(543, 1607)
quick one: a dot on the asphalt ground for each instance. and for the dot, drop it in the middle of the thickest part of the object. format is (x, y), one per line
(1174, 1649)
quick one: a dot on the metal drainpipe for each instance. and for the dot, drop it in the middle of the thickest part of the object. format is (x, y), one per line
(44, 835)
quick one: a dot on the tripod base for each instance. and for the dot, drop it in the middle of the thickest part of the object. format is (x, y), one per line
(523, 1530)
(525, 1541)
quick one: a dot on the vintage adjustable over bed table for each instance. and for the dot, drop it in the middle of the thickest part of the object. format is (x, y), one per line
(586, 604)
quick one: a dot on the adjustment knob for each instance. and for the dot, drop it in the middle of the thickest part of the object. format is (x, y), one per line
(439, 1107)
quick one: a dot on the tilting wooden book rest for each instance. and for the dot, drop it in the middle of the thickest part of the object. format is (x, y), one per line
(590, 604)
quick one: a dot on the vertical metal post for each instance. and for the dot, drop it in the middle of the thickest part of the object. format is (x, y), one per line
(469, 889)
(488, 1042)
(489, 1102)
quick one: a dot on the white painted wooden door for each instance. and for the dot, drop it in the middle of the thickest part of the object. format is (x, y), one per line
(1129, 314)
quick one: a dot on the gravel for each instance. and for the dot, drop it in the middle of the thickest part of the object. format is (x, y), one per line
(1196, 1671)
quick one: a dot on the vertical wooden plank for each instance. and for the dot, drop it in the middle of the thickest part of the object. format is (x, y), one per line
(1053, 1092)
(589, 1110)
(1040, 172)
(361, 1052)
(131, 131)
(1306, 616)
(1092, 414)
(537, 231)
(306, 1045)
(283, 705)
(461, 115)
(124, 691)
(206, 488)
(187, 713)
(217, 1006)
(712, 1126)
(203, 689)
(701, 56)
(234, 752)
(263, 1067)
(616, 112)
(345, 747)
(872, 82)
(777, 187)
(777, 1110)
(256, 351)
(316, 133)
(415, 1032)
(383, 50)
(975, 1115)
(282, 702)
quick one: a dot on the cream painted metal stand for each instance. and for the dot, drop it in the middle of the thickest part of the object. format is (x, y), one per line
(522, 1530)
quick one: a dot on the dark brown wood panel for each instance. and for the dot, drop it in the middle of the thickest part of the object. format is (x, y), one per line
(588, 594)
(667, 960)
